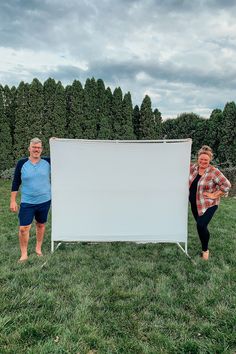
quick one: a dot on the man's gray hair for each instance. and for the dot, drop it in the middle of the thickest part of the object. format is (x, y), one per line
(35, 141)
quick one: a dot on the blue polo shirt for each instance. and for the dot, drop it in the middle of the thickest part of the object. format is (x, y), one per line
(34, 180)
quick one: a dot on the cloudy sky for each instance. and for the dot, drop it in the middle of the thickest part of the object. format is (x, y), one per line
(182, 53)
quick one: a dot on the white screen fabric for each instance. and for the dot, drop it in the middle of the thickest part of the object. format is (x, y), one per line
(119, 190)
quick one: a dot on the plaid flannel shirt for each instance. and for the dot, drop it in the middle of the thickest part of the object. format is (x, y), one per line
(211, 181)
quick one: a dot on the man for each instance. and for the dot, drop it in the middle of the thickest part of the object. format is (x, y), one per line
(33, 174)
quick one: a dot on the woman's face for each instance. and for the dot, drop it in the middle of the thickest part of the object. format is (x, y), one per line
(203, 161)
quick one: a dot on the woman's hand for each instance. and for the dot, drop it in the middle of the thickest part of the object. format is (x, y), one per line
(214, 195)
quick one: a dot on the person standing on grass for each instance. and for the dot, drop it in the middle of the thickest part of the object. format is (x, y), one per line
(33, 174)
(206, 185)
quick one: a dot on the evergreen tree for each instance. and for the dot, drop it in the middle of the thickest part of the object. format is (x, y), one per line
(10, 107)
(169, 129)
(22, 132)
(56, 124)
(127, 131)
(104, 127)
(75, 106)
(136, 121)
(215, 112)
(187, 125)
(147, 122)
(158, 123)
(6, 160)
(214, 133)
(49, 94)
(200, 134)
(117, 114)
(89, 123)
(229, 134)
(29, 112)
(36, 104)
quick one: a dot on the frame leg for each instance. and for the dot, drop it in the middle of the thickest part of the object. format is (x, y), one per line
(185, 250)
(52, 246)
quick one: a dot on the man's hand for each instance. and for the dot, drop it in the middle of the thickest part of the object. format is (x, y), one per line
(13, 207)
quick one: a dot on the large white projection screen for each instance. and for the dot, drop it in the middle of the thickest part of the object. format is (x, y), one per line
(120, 190)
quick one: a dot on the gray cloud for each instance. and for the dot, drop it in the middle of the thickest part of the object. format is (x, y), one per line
(183, 53)
(66, 74)
(167, 71)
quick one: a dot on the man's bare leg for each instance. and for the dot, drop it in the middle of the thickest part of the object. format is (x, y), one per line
(24, 240)
(40, 230)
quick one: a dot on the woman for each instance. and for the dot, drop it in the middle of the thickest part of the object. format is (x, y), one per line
(206, 185)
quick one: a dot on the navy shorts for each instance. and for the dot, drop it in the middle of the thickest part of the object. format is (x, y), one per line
(30, 211)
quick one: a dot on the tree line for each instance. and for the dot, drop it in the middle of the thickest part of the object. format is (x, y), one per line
(95, 112)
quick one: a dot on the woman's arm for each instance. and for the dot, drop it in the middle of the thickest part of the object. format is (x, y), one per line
(214, 195)
(222, 183)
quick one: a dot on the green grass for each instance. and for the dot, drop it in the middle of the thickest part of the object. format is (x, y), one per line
(119, 297)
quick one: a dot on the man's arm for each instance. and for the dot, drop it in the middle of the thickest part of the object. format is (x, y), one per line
(16, 184)
(13, 203)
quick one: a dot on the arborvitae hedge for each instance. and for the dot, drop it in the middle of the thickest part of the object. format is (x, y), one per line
(6, 158)
(94, 112)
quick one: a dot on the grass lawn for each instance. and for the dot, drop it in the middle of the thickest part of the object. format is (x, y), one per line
(119, 297)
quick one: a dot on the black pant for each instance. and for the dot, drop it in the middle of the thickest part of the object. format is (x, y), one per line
(202, 222)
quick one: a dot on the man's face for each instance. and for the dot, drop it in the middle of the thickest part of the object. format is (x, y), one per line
(35, 150)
